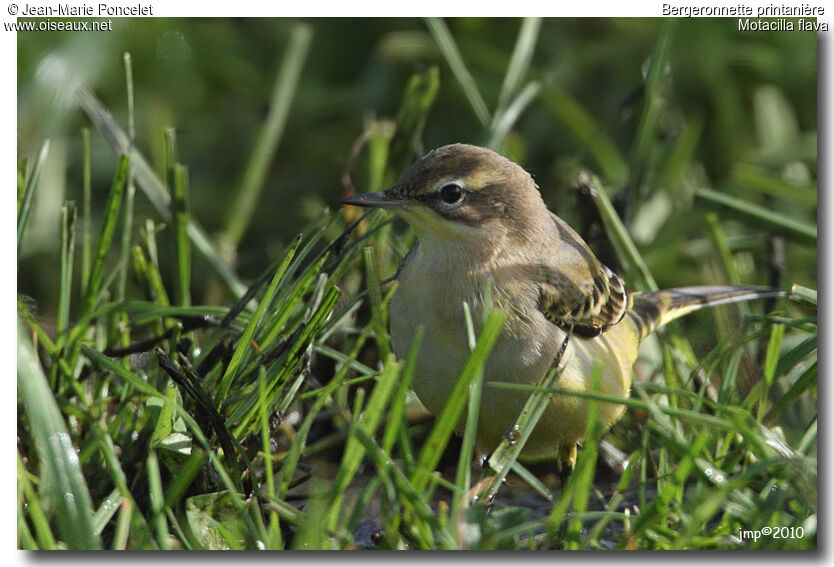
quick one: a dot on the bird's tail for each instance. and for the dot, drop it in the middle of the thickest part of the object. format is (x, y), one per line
(652, 309)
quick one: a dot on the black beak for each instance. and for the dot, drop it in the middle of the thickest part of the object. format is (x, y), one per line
(388, 199)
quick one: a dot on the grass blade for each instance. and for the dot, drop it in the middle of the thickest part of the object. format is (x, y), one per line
(269, 137)
(130, 193)
(805, 294)
(410, 495)
(519, 64)
(420, 93)
(467, 450)
(294, 454)
(157, 500)
(68, 214)
(719, 237)
(396, 415)
(294, 355)
(450, 51)
(652, 102)
(24, 201)
(108, 228)
(752, 178)
(244, 343)
(183, 245)
(275, 540)
(142, 386)
(63, 481)
(448, 419)
(581, 481)
(508, 450)
(580, 122)
(154, 189)
(616, 230)
(806, 381)
(758, 216)
(137, 530)
(504, 122)
(87, 188)
(369, 419)
(29, 496)
(377, 313)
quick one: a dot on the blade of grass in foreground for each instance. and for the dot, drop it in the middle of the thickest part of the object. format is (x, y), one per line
(581, 481)
(157, 499)
(509, 449)
(140, 536)
(127, 208)
(412, 498)
(274, 540)
(504, 122)
(369, 420)
(143, 386)
(464, 470)
(805, 294)
(758, 179)
(377, 312)
(777, 332)
(62, 480)
(670, 492)
(448, 419)
(30, 501)
(248, 407)
(294, 454)
(244, 342)
(396, 414)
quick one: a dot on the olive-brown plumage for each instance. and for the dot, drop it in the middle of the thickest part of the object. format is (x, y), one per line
(481, 225)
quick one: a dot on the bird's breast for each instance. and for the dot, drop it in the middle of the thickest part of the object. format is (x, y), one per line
(431, 294)
(426, 299)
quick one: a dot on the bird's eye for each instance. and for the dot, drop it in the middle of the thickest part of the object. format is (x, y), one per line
(451, 193)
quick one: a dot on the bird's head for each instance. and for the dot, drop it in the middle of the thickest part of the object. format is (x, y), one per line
(461, 192)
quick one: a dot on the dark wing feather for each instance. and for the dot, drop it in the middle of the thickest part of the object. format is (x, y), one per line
(589, 311)
(589, 300)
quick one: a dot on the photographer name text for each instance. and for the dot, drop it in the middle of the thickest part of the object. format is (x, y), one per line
(86, 10)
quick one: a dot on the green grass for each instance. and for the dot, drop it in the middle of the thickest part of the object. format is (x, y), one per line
(169, 401)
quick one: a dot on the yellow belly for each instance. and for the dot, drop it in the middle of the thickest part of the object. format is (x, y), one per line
(564, 421)
(521, 355)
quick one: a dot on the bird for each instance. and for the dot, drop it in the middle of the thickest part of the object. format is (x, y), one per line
(481, 224)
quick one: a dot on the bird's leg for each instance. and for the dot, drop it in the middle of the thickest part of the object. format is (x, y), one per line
(480, 465)
(567, 457)
(565, 463)
(558, 358)
(482, 460)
